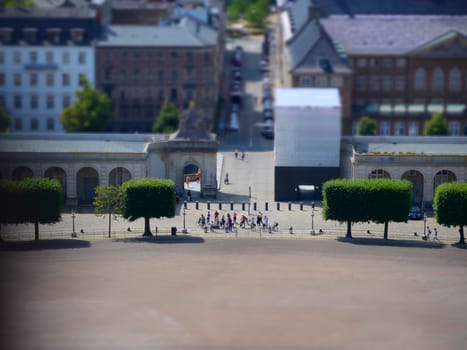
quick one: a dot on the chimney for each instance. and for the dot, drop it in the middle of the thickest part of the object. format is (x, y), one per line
(314, 11)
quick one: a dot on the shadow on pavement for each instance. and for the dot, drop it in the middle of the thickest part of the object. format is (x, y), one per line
(392, 242)
(45, 244)
(161, 239)
(459, 246)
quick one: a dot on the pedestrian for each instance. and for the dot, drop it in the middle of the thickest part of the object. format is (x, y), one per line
(428, 231)
(208, 217)
(235, 217)
(236, 154)
(188, 194)
(435, 237)
(265, 222)
(243, 155)
(226, 178)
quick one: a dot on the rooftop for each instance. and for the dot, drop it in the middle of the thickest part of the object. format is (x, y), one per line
(307, 97)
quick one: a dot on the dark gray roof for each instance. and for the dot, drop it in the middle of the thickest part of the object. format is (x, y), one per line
(301, 43)
(380, 34)
(298, 13)
(187, 33)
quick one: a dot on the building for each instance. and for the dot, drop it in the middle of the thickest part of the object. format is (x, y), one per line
(140, 12)
(398, 69)
(44, 53)
(139, 67)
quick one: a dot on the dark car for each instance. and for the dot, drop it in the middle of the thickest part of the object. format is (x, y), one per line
(415, 213)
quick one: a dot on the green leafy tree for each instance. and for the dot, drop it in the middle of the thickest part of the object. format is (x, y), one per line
(5, 120)
(148, 198)
(450, 205)
(367, 126)
(383, 200)
(237, 8)
(437, 125)
(108, 200)
(19, 3)
(31, 200)
(256, 14)
(89, 113)
(168, 119)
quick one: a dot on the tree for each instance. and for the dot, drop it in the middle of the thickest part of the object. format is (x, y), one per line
(168, 119)
(367, 126)
(380, 200)
(237, 8)
(437, 125)
(148, 198)
(450, 205)
(108, 200)
(89, 113)
(5, 120)
(19, 3)
(256, 13)
(31, 200)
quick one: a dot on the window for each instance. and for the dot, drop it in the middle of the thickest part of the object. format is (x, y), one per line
(49, 79)
(399, 129)
(360, 83)
(337, 81)
(34, 124)
(5, 35)
(17, 79)
(161, 56)
(174, 55)
(384, 128)
(437, 80)
(173, 94)
(53, 35)
(50, 102)
(33, 79)
(33, 57)
(379, 174)
(81, 57)
(18, 124)
(189, 57)
(400, 62)
(305, 81)
(65, 57)
(17, 102)
(455, 80)
(66, 101)
(387, 62)
(174, 76)
(207, 58)
(50, 124)
(161, 95)
(387, 83)
(399, 83)
(77, 35)
(321, 81)
(374, 62)
(374, 83)
(2, 79)
(355, 126)
(108, 57)
(17, 57)
(49, 57)
(454, 128)
(65, 79)
(413, 129)
(30, 34)
(34, 102)
(108, 74)
(361, 62)
(420, 79)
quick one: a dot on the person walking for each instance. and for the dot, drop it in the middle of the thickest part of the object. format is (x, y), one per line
(243, 155)
(435, 237)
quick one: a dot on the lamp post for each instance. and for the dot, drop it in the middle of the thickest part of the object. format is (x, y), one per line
(184, 215)
(424, 225)
(249, 200)
(73, 215)
(312, 220)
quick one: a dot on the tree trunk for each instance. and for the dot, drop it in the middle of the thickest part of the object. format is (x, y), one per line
(110, 223)
(461, 233)
(349, 230)
(386, 230)
(147, 229)
(36, 230)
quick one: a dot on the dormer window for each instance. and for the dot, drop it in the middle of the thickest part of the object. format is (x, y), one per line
(6, 35)
(30, 35)
(77, 35)
(53, 35)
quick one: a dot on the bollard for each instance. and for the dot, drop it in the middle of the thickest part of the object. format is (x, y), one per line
(266, 206)
(243, 205)
(231, 206)
(197, 205)
(301, 206)
(209, 205)
(278, 205)
(220, 205)
(254, 206)
(290, 206)
(184, 204)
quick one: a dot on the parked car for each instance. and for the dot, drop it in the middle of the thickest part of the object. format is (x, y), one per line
(268, 129)
(415, 213)
(267, 104)
(267, 114)
(237, 75)
(234, 124)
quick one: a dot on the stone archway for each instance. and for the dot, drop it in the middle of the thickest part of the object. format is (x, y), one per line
(87, 181)
(118, 176)
(441, 177)
(192, 178)
(22, 172)
(58, 174)
(379, 174)
(416, 178)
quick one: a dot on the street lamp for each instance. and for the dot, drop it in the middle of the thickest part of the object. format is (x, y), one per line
(312, 220)
(249, 200)
(73, 215)
(424, 225)
(184, 214)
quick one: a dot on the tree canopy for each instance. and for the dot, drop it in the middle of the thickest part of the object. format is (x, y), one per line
(31, 200)
(254, 12)
(19, 3)
(5, 120)
(148, 198)
(437, 125)
(108, 200)
(381, 200)
(90, 112)
(168, 119)
(367, 126)
(450, 206)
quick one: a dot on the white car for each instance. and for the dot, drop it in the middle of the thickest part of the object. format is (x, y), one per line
(234, 125)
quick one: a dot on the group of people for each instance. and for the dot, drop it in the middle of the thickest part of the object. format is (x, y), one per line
(228, 221)
(428, 233)
(242, 156)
